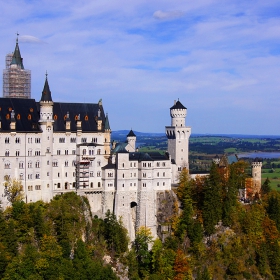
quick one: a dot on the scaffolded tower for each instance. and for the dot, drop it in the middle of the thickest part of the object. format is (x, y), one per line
(16, 79)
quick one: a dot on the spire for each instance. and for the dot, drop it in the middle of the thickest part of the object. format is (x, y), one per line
(17, 59)
(46, 93)
(107, 124)
(131, 134)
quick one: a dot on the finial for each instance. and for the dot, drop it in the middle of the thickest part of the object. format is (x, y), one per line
(17, 36)
(46, 74)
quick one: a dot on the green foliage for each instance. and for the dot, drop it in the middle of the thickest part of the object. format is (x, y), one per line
(265, 189)
(13, 190)
(115, 234)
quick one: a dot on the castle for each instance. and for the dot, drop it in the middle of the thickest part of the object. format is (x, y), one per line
(55, 147)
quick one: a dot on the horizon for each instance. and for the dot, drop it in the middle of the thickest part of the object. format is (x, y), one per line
(222, 60)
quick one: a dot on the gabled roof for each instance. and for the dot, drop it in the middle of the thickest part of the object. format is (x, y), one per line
(120, 148)
(17, 59)
(178, 105)
(131, 134)
(46, 93)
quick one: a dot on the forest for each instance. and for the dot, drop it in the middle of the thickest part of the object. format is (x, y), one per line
(213, 235)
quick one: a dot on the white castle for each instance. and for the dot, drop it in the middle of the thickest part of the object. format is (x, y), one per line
(54, 148)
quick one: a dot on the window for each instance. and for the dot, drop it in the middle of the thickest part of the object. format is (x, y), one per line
(7, 177)
(163, 174)
(144, 185)
(144, 164)
(149, 165)
(55, 164)
(61, 140)
(134, 174)
(91, 174)
(66, 185)
(29, 164)
(158, 164)
(98, 174)
(17, 140)
(74, 174)
(99, 163)
(98, 151)
(30, 140)
(7, 140)
(29, 153)
(48, 173)
(37, 140)
(58, 152)
(17, 153)
(7, 153)
(158, 174)
(48, 150)
(144, 175)
(20, 165)
(65, 174)
(37, 164)
(73, 140)
(66, 163)
(66, 152)
(163, 164)
(58, 185)
(7, 165)
(134, 164)
(73, 163)
(157, 183)
(21, 176)
(58, 174)
(37, 176)
(29, 176)
(163, 183)
(131, 184)
(99, 185)
(73, 152)
(91, 184)
(84, 151)
(30, 188)
(84, 140)
(48, 162)
(37, 153)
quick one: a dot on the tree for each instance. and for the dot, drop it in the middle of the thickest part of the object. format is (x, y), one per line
(181, 267)
(212, 203)
(141, 245)
(266, 188)
(13, 190)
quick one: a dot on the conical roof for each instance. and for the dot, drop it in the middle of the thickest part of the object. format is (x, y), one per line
(131, 134)
(17, 59)
(107, 124)
(46, 93)
(178, 105)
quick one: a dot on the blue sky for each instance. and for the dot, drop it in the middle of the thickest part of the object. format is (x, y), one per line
(220, 58)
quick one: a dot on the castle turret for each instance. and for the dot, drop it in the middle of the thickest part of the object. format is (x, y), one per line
(46, 123)
(131, 141)
(178, 137)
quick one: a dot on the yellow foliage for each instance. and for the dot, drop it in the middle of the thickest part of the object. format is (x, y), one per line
(13, 190)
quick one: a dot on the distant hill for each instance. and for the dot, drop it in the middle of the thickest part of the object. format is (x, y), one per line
(121, 134)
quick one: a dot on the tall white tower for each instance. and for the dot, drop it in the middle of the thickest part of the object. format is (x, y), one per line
(178, 136)
(16, 79)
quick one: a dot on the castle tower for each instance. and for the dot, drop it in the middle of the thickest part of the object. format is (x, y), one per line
(107, 137)
(178, 137)
(257, 176)
(46, 123)
(16, 79)
(131, 141)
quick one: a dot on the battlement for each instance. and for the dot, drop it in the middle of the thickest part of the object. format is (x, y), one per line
(256, 164)
(178, 113)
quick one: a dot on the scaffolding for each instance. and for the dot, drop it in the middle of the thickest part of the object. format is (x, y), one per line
(16, 80)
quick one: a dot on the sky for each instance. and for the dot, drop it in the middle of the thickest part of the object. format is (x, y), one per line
(220, 58)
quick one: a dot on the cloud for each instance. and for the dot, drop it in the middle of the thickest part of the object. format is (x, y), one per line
(30, 39)
(167, 15)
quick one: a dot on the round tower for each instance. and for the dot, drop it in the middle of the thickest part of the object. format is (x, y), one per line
(257, 175)
(131, 141)
(178, 114)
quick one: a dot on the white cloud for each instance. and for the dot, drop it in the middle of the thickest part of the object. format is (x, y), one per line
(30, 39)
(167, 15)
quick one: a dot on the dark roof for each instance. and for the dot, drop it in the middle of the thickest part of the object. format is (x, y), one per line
(131, 134)
(140, 156)
(178, 105)
(109, 166)
(26, 114)
(17, 59)
(88, 114)
(46, 93)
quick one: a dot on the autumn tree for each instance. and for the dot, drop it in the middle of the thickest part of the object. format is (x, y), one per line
(13, 190)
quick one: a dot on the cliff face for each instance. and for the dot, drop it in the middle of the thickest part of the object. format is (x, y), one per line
(165, 211)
